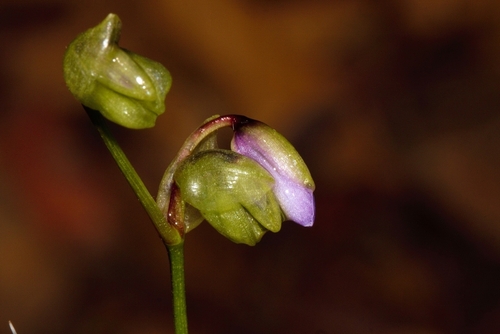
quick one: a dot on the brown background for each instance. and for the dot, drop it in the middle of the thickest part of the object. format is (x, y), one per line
(394, 105)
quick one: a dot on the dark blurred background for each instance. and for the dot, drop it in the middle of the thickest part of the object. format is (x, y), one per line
(394, 105)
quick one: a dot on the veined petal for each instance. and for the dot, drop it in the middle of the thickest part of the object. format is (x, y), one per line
(296, 201)
(294, 185)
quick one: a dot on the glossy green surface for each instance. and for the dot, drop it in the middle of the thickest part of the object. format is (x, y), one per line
(126, 88)
(233, 193)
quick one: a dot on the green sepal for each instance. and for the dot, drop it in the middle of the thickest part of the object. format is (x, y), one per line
(232, 192)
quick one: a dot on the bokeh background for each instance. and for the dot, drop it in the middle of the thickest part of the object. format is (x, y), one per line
(394, 105)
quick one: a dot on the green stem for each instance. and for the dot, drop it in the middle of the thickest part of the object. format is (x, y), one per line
(171, 237)
(176, 254)
(167, 232)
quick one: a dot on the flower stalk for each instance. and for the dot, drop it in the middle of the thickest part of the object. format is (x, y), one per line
(168, 233)
(176, 255)
(171, 237)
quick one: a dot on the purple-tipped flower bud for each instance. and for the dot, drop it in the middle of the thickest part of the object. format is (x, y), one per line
(294, 185)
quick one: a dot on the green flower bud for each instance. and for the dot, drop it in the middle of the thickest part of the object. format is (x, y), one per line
(232, 192)
(126, 88)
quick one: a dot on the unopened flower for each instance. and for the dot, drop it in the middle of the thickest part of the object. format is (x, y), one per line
(243, 192)
(126, 88)
(232, 192)
(294, 185)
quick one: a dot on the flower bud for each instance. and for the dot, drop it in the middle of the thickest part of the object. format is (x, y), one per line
(294, 185)
(126, 88)
(232, 192)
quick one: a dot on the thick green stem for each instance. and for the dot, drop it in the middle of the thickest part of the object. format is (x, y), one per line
(172, 238)
(176, 254)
